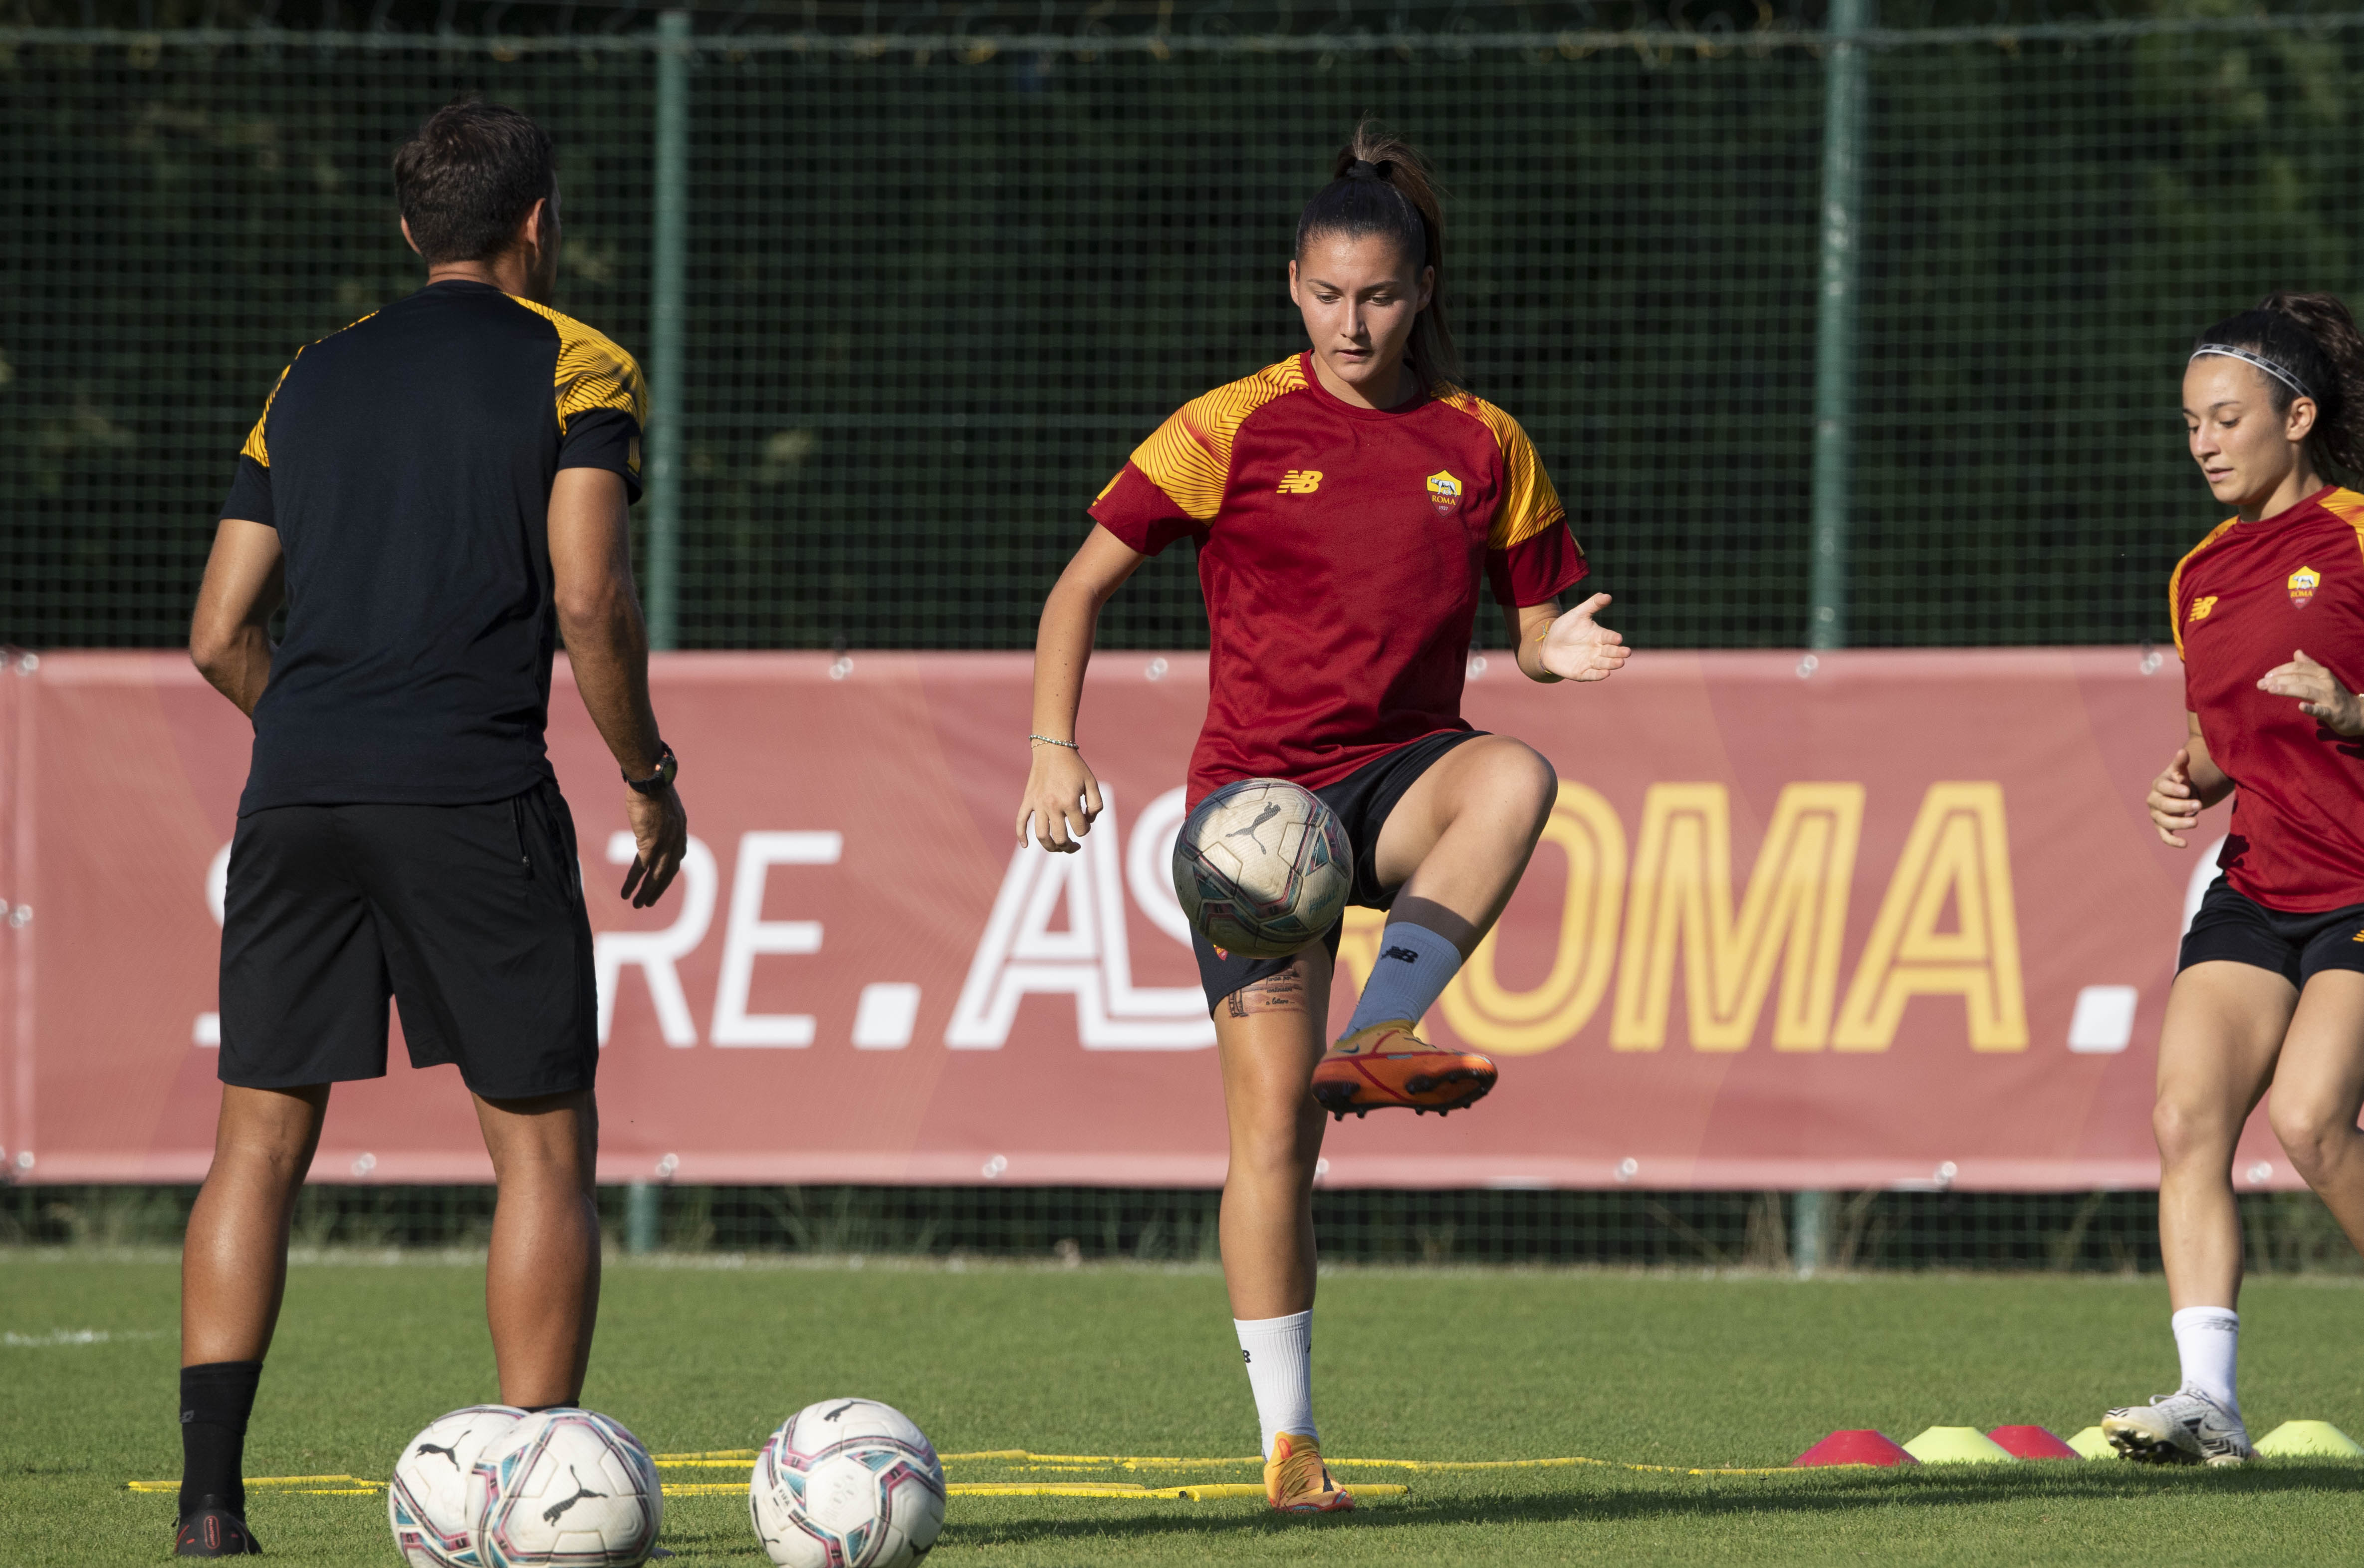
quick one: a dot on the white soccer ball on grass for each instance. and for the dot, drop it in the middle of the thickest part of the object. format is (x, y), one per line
(564, 1489)
(847, 1483)
(427, 1503)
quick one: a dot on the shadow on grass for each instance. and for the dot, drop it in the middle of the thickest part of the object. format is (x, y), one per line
(1806, 1495)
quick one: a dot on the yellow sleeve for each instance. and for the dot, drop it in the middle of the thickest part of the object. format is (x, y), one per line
(1529, 504)
(593, 372)
(1190, 456)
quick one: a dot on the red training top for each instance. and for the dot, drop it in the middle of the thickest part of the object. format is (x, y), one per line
(1341, 550)
(2244, 601)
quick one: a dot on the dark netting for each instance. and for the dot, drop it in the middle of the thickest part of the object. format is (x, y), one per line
(2074, 1232)
(935, 293)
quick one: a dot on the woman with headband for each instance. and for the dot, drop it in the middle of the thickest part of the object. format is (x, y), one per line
(2269, 989)
(1348, 504)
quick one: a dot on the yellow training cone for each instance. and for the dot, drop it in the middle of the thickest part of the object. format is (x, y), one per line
(2309, 1439)
(1958, 1445)
(2093, 1444)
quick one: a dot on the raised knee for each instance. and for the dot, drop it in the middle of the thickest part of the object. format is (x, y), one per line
(1528, 777)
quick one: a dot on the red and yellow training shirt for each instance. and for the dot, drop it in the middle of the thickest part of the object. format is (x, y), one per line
(1341, 550)
(2250, 596)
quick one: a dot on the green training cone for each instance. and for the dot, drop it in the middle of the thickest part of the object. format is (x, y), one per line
(2093, 1444)
(1958, 1445)
(2309, 1439)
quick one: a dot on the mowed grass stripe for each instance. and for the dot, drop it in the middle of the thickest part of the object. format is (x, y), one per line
(1092, 1364)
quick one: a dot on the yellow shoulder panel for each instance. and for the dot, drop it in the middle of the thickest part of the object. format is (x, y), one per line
(1190, 456)
(593, 373)
(256, 446)
(2175, 581)
(1530, 504)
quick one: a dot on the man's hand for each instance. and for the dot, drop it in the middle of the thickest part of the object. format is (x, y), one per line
(661, 828)
(1061, 800)
(2319, 695)
(2174, 803)
(1575, 648)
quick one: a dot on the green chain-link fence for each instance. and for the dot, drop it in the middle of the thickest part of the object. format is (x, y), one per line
(939, 280)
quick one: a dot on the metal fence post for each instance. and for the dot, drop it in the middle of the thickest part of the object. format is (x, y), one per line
(1808, 1230)
(667, 264)
(1844, 93)
(643, 1216)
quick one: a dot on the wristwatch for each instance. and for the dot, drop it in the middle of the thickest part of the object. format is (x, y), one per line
(667, 766)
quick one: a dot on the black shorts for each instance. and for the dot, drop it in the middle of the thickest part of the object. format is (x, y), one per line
(470, 917)
(1362, 800)
(2238, 928)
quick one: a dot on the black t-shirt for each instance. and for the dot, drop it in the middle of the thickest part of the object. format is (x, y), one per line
(407, 463)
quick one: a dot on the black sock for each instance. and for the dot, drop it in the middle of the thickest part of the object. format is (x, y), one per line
(216, 1400)
(542, 1409)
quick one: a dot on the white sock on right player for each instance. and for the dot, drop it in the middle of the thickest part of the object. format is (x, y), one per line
(1279, 1356)
(2208, 1343)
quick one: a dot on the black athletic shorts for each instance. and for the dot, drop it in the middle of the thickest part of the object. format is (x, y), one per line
(2233, 927)
(470, 917)
(1362, 800)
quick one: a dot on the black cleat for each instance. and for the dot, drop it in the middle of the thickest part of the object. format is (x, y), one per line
(210, 1529)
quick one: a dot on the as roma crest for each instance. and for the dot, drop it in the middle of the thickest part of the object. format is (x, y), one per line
(1444, 490)
(2302, 584)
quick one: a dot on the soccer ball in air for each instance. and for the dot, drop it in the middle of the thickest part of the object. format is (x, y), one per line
(1263, 868)
(847, 1483)
(428, 1502)
(566, 1487)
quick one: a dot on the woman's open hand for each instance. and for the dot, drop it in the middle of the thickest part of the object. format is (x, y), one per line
(1577, 648)
(1062, 799)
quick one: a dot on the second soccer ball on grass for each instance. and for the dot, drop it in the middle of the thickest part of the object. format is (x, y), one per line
(1263, 868)
(847, 1483)
(567, 1488)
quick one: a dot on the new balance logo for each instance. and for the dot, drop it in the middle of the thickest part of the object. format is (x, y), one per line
(2359, 937)
(1410, 957)
(1300, 481)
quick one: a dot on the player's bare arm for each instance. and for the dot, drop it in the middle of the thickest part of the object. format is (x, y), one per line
(1567, 646)
(2189, 785)
(607, 643)
(229, 636)
(1062, 796)
(2321, 696)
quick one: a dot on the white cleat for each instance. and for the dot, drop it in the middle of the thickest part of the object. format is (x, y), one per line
(2183, 1427)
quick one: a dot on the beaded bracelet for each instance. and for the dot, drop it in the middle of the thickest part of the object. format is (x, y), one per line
(1048, 741)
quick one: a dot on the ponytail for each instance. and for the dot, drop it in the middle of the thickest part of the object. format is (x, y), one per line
(2304, 345)
(1380, 185)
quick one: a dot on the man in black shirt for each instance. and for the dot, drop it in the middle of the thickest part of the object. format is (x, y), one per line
(437, 492)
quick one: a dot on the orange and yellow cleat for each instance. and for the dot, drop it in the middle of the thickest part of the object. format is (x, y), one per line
(1387, 1065)
(1297, 1482)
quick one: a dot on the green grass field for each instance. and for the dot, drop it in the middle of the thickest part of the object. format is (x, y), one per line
(1642, 1368)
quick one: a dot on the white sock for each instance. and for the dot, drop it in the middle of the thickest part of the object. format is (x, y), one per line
(1414, 967)
(1279, 1353)
(2208, 1340)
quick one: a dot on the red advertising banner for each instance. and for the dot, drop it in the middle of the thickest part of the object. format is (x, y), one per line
(1861, 919)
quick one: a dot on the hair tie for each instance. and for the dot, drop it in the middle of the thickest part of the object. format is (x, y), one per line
(1360, 170)
(2278, 372)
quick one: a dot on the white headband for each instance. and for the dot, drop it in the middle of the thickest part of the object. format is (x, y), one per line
(2246, 358)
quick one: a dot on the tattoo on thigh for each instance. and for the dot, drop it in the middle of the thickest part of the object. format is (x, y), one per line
(1281, 993)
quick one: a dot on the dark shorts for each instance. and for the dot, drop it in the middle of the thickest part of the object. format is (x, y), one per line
(470, 917)
(1362, 800)
(2238, 928)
